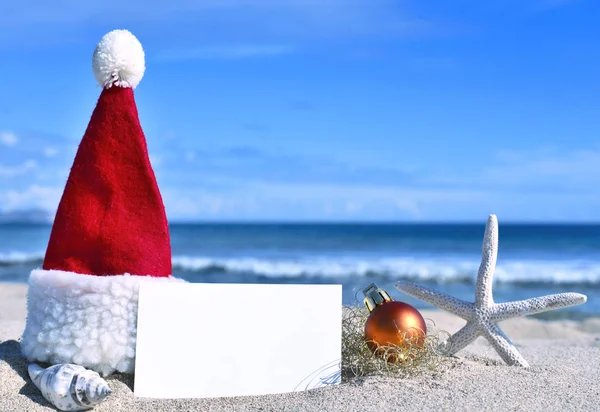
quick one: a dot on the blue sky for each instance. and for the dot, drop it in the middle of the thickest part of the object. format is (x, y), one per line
(321, 109)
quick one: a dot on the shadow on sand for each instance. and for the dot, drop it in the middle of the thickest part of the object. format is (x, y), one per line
(10, 352)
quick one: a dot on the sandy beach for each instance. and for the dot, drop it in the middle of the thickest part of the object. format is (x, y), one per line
(564, 375)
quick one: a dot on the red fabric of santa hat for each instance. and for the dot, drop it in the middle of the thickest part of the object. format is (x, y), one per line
(110, 233)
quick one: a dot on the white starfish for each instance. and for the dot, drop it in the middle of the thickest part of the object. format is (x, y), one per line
(483, 315)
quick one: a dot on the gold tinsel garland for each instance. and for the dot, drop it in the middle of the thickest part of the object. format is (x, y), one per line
(406, 359)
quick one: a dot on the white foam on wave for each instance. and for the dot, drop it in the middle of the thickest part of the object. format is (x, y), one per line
(449, 270)
(17, 258)
(430, 270)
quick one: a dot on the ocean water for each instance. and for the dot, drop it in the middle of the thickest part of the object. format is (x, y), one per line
(533, 259)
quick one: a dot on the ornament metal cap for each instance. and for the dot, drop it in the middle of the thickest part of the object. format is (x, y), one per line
(375, 297)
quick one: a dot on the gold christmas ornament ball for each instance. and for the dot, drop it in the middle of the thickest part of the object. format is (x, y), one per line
(395, 324)
(391, 323)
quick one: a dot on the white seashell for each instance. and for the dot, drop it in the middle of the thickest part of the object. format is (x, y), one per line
(69, 387)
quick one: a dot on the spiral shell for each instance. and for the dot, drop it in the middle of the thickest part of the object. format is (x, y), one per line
(69, 387)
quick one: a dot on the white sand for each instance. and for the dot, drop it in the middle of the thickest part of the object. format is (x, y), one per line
(565, 375)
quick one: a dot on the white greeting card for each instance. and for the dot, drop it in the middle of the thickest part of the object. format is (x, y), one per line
(212, 340)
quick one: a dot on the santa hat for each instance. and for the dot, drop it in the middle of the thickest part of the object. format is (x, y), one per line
(110, 233)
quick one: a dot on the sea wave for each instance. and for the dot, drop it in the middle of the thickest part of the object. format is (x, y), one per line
(533, 272)
(429, 270)
(20, 258)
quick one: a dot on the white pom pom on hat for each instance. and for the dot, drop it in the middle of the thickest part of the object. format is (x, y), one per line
(119, 60)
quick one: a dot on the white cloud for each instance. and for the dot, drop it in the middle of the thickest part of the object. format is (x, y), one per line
(8, 139)
(69, 11)
(317, 201)
(170, 135)
(155, 160)
(410, 206)
(351, 206)
(573, 167)
(231, 52)
(542, 5)
(221, 21)
(11, 171)
(543, 184)
(314, 201)
(34, 196)
(50, 151)
(273, 201)
(186, 204)
(547, 169)
(190, 156)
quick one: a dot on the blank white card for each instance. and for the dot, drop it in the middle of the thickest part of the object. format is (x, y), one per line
(212, 340)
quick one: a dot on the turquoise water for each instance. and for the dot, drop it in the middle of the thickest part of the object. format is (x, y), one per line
(533, 259)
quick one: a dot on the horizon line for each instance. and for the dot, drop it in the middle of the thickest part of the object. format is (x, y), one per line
(339, 222)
